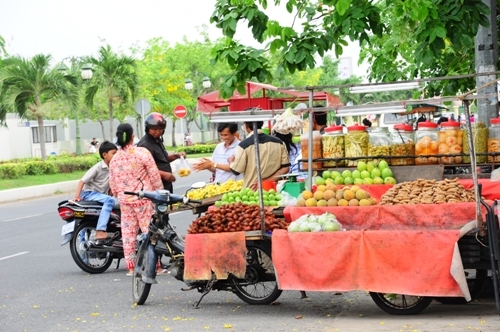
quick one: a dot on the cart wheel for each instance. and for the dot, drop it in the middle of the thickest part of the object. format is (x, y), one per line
(400, 304)
(476, 280)
(260, 285)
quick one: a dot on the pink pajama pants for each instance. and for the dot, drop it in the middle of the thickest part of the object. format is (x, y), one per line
(134, 217)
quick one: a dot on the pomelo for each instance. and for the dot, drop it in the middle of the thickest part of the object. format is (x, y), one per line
(386, 172)
(382, 164)
(356, 174)
(362, 166)
(346, 174)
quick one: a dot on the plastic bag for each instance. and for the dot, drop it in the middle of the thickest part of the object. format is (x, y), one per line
(287, 199)
(495, 175)
(184, 168)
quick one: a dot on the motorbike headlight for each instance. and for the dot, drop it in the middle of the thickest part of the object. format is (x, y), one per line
(162, 208)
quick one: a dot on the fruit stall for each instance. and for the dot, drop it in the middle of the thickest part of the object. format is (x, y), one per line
(362, 224)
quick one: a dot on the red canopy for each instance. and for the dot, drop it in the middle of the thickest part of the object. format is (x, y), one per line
(211, 102)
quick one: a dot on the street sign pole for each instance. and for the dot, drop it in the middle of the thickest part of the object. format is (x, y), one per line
(143, 107)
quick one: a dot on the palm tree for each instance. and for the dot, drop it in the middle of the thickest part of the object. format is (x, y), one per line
(27, 84)
(116, 75)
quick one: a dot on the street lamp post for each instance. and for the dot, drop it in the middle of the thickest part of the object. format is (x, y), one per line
(206, 85)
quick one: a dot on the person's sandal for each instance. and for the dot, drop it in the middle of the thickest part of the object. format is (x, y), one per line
(109, 238)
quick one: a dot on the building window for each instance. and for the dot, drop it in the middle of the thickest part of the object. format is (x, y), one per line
(50, 134)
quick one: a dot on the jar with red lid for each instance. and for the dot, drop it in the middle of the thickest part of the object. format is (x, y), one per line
(333, 146)
(356, 144)
(403, 145)
(494, 140)
(450, 139)
(427, 143)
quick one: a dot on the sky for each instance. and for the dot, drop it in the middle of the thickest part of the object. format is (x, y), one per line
(74, 28)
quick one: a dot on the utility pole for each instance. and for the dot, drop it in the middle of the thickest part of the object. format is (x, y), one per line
(486, 50)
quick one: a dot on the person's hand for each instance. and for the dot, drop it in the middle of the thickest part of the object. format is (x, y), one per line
(254, 186)
(231, 159)
(181, 154)
(77, 199)
(169, 177)
(203, 164)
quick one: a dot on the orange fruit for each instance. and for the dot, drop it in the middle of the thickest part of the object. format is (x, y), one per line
(306, 194)
(443, 148)
(451, 140)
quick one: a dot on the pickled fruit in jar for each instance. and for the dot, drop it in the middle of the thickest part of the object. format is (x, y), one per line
(403, 150)
(333, 146)
(450, 140)
(427, 144)
(356, 144)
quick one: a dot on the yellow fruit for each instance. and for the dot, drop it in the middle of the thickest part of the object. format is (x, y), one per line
(301, 202)
(343, 202)
(339, 194)
(373, 200)
(331, 186)
(332, 202)
(321, 187)
(362, 194)
(322, 202)
(349, 194)
(311, 202)
(318, 195)
(306, 194)
(328, 194)
(365, 202)
(353, 202)
(355, 188)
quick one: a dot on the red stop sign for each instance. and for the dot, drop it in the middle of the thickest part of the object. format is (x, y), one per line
(180, 111)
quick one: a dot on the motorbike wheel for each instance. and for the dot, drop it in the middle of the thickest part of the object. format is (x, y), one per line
(140, 289)
(400, 304)
(476, 280)
(260, 285)
(89, 261)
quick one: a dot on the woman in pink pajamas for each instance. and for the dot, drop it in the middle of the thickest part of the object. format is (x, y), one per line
(130, 164)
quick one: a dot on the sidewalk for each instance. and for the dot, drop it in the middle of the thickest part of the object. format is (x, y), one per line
(12, 195)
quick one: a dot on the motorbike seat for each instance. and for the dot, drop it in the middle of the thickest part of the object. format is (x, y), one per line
(94, 204)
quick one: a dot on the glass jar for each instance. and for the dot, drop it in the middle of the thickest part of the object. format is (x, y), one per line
(450, 139)
(494, 140)
(356, 144)
(427, 143)
(403, 145)
(333, 146)
(317, 150)
(480, 134)
(379, 142)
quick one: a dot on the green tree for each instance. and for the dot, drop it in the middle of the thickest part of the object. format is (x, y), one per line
(116, 75)
(3, 50)
(326, 25)
(27, 84)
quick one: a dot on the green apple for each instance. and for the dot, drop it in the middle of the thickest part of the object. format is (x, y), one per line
(218, 203)
(278, 197)
(361, 166)
(225, 198)
(272, 191)
(266, 202)
(319, 180)
(356, 174)
(348, 180)
(370, 166)
(365, 174)
(244, 198)
(329, 180)
(326, 174)
(378, 180)
(339, 180)
(334, 174)
(358, 181)
(382, 164)
(273, 203)
(376, 173)
(389, 180)
(346, 174)
(386, 173)
(367, 181)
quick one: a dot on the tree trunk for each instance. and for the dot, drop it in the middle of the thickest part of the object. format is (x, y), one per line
(41, 133)
(110, 105)
(173, 134)
(104, 132)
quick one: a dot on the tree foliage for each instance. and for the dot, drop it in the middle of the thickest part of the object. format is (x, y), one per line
(28, 84)
(116, 75)
(327, 25)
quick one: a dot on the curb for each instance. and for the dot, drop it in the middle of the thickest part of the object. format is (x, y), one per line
(12, 195)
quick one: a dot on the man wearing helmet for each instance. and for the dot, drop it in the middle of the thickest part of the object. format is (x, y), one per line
(153, 141)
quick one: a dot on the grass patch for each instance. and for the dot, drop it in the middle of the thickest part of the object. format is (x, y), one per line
(35, 180)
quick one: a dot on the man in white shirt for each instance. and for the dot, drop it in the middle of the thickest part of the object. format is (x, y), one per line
(219, 165)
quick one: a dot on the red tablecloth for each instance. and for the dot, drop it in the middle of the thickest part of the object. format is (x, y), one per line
(405, 249)
(222, 253)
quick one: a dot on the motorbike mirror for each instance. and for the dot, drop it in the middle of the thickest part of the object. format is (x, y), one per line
(198, 185)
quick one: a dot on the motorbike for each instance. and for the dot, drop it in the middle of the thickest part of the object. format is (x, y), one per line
(259, 285)
(79, 231)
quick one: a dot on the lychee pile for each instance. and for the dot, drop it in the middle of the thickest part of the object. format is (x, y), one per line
(334, 195)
